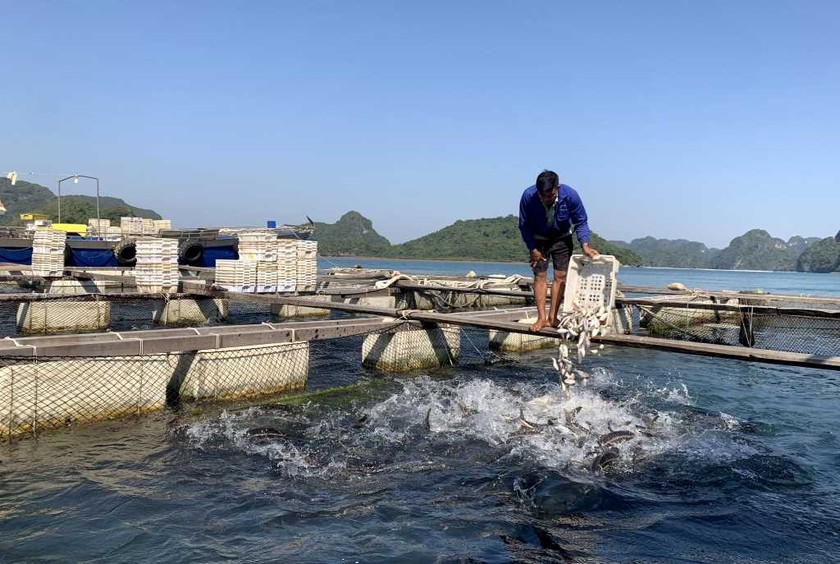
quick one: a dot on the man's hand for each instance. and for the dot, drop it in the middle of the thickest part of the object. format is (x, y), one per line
(589, 251)
(536, 258)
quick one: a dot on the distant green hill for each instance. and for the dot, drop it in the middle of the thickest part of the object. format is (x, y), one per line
(352, 234)
(493, 239)
(756, 250)
(26, 197)
(822, 256)
(675, 253)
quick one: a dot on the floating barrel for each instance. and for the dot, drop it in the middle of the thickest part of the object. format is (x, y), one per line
(190, 251)
(126, 252)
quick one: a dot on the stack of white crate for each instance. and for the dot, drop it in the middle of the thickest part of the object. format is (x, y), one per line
(162, 224)
(266, 276)
(157, 265)
(260, 246)
(257, 245)
(236, 275)
(48, 252)
(286, 265)
(149, 227)
(131, 225)
(307, 266)
(99, 226)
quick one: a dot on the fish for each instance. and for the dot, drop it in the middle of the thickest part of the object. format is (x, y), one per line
(603, 460)
(361, 421)
(615, 437)
(263, 433)
(524, 421)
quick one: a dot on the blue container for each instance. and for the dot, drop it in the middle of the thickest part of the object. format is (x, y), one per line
(271, 224)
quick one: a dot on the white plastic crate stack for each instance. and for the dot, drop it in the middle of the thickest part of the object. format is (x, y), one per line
(157, 265)
(99, 226)
(307, 266)
(149, 227)
(236, 275)
(266, 276)
(48, 252)
(591, 284)
(131, 225)
(162, 224)
(286, 265)
(257, 245)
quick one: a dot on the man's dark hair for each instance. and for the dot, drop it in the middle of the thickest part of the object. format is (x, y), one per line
(547, 181)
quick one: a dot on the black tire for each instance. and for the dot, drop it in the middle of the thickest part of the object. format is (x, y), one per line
(190, 251)
(126, 252)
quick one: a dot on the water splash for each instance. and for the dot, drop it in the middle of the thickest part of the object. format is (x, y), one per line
(584, 430)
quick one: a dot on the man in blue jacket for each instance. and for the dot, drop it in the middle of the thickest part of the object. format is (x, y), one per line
(548, 214)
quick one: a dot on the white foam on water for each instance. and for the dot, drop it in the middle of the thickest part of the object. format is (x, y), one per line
(536, 422)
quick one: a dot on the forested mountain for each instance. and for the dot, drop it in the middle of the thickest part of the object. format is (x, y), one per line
(822, 256)
(26, 197)
(352, 234)
(495, 239)
(756, 250)
(498, 239)
(678, 253)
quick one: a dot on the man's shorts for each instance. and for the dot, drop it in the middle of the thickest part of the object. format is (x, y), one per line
(560, 253)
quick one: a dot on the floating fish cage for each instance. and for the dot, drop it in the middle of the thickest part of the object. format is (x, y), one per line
(773, 322)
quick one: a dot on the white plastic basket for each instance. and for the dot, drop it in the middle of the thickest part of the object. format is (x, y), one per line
(590, 283)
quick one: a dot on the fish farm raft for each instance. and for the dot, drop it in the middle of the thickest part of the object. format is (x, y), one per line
(203, 315)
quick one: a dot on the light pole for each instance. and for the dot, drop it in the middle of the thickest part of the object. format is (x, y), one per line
(76, 178)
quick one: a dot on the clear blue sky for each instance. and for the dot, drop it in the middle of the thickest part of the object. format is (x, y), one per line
(676, 119)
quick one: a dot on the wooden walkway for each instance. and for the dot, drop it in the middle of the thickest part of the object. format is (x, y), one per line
(217, 337)
(197, 284)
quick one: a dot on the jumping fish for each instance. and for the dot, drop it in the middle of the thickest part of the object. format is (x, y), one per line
(615, 437)
(604, 459)
(263, 433)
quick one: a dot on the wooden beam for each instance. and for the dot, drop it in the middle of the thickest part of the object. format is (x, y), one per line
(756, 309)
(187, 339)
(723, 351)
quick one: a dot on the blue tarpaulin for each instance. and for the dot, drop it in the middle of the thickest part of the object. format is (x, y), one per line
(212, 254)
(91, 257)
(16, 256)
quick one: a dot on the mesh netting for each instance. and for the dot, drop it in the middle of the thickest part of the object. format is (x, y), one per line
(411, 346)
(770, 324)
(41, 393)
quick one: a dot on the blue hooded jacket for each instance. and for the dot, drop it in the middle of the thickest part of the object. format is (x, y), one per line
(569, 215)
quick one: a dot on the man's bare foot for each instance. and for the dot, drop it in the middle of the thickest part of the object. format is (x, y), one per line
(554, 323)
(539, 325)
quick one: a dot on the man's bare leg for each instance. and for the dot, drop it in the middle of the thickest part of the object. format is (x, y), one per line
(558, 287)
(540, 291)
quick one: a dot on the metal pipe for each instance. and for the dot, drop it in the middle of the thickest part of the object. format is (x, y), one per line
(76, 177)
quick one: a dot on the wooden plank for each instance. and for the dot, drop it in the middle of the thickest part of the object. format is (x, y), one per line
(723, 351)
(156, 341)
(625, 288)
(130, 347)
(755, 309)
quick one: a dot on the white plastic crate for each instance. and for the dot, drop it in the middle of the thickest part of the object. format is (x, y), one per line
(238, 288)
(236, 273)
(590, 283)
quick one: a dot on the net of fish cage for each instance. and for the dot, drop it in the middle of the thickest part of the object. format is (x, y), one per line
(772, 324)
